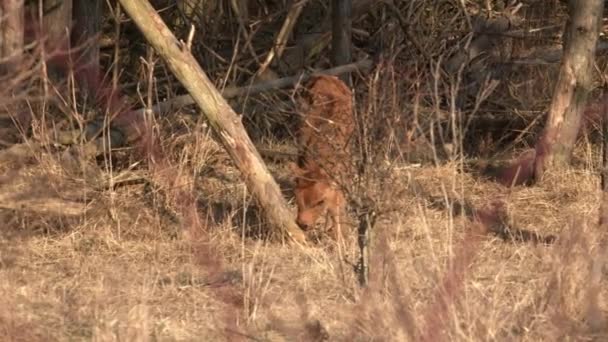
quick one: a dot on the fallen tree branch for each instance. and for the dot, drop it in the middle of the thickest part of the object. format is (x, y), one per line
(20, 191)
(46, 206)
(18, 154)
(231, 92)
(223, 120)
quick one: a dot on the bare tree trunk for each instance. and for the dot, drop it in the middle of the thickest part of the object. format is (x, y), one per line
(309, 44)
(341, 12)
(85, 36)
(12, 28)
(222, 118)
(604, 172)
(594, 316)
(570, 96)
(57, 22)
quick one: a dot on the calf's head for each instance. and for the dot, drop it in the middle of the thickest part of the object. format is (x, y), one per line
(315, 194)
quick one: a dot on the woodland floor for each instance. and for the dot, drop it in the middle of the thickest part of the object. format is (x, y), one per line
(122, 273)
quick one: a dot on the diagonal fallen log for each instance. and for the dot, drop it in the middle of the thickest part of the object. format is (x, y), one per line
(223, 120)
(43, 205)
(24, 190)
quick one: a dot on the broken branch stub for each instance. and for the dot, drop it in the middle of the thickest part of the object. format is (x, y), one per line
(223, 120)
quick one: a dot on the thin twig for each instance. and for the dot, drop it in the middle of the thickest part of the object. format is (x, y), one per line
(281, 39)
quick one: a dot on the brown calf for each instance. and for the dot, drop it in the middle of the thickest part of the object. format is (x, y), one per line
(324, 161)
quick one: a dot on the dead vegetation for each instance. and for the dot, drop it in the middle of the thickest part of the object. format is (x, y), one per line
(160, 239)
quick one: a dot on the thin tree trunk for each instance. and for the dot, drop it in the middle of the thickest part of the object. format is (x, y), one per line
(554, 149)
(593, 315)
(604, 173)
(224, 121)
(341, 11)
(308, 45)
(57, 22)
(12, 28)
(85, 36)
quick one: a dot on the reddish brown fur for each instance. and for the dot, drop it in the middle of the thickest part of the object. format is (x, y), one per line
(324, 163)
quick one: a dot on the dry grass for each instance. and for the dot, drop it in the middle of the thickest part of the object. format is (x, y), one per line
(139, 266)
(120, 274)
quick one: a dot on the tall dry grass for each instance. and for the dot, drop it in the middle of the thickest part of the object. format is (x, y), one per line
(170, 248)
(121, 273)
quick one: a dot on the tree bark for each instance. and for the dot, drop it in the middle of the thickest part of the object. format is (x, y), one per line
(12, 28)
(604, 171)
(220, 115)
(341, 12)
(554, 149)
(594, 315)
(57, 19)
(308, 45)
(85, 37)
(57, 22)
